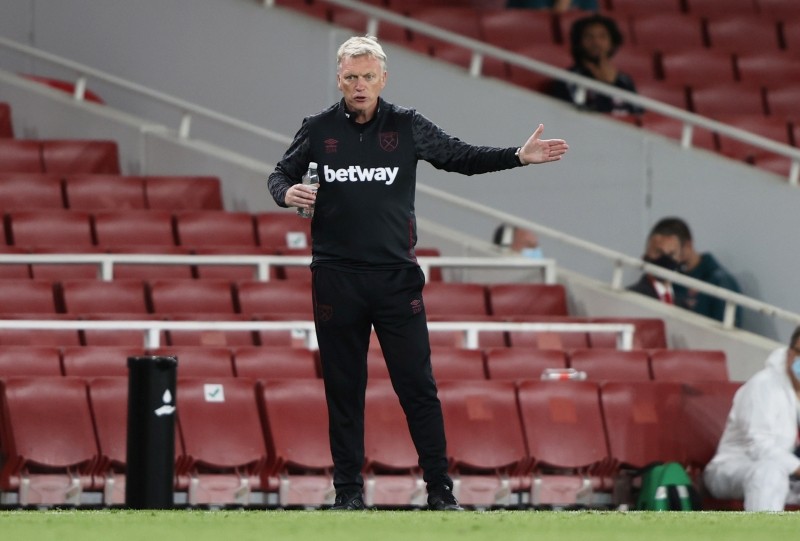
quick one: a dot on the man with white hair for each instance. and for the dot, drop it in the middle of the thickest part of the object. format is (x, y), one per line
(756, 458)
(364, 271)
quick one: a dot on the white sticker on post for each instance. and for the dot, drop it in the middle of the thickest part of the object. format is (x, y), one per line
(296, 239)
(214, 392)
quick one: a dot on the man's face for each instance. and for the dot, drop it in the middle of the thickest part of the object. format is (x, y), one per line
(361, 80)
(596, 42)
(660, 245)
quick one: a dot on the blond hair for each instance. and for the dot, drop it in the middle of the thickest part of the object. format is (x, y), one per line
(361, 46)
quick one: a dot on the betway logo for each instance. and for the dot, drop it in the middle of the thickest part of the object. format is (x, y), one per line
(356, 173)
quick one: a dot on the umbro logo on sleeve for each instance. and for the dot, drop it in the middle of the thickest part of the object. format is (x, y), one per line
(356, 173)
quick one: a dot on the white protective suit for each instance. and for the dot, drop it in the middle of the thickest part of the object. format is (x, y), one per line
(755, 456)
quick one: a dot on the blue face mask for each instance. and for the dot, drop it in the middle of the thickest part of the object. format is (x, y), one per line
(533, 253)
(796, 367)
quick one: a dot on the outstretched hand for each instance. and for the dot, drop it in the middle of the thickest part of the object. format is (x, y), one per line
(536, 150)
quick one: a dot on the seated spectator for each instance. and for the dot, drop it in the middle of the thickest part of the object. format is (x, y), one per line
(756, 458)
(517, 240)
(670, 244)
(555, 5)
(593, 41)
(650, 285)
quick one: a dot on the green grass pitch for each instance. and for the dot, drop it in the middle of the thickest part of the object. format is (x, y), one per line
(114, 525)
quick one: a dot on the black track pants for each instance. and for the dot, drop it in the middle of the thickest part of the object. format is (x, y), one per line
(346, 305)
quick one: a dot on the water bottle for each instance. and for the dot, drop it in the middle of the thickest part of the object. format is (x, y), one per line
(310, 179)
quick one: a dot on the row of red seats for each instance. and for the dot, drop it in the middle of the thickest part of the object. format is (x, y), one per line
(191, 297)
(29, 191)
(70, 156)
(449, 363)
(74, 229)
(535, 442)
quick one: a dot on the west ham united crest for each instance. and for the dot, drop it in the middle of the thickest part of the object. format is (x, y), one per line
(324, 312)
(389, 140)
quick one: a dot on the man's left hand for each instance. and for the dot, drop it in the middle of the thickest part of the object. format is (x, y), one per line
(537, 150)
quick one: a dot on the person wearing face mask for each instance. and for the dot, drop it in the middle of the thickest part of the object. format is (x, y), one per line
(756, 457)
(650, 285)
(517, 240)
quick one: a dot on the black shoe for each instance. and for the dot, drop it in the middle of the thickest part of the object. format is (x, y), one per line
(348, 501)
(441, 498)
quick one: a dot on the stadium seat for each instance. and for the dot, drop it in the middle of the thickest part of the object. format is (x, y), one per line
(565, 434)
(98, 361)
(780, 9)
(460, 20)
(86, 298)
(20, 156)
(233, 271)
(302, 461)
(776, 129)
(176, 193)
(39, 337)
(697, 67)
(769, 69)
(50, 228)
(673, 129)
(386, 31)
(667, 32)
(672, 94)
(14, 271)
(283, 229)
(104, 192)
(743, 34)
(705, 409)
(49, 445)
(643, 421)
(27, 297)
(716, 8)
(688, 365)
(211, 228)
(6, 125)
(549, 339)
(151, 271)
(485, 442)
(76, 157)
(274, 362)
(454, 300)
(725, 99)
(638, 63)
(192, 297)
(30, 191)
(649, 333)
(199, 361)
(553, 54)
(619, 8)
(109, 402)
(522, 363)
(134, 228)
(275, 297)
(210, 338)
(29, 361)
(223, 438)
(782, 101)
(393, 477)
(457, 363)
(65, 271)
(602, 364)
(508, 28)
(527, 299)
(791, 35)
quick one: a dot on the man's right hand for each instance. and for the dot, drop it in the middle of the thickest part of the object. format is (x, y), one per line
(301, 195)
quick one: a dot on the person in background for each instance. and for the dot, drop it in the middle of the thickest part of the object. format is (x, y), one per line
(364, 269)
(555, 5)
(593, 42)
(756, 459)
(653, 286)
(517, 240)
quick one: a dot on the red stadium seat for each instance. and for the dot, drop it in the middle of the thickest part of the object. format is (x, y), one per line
(386, 31)
(150, 271)
(638, 63)
(6, 126)
(460, 20)
(295, 272)
(706, 405)
(20, 156)
(672, 94)
(29, 361)
(649, 333)
(457, 363)
(453, 300)
(688, 365)
(176, 193)
(667, 32)
(791, 35)
(782, 101)
(565, 433)
(611, 365)
(199, 361)
(779, 9)
(98, 361)
(716, 8)
(210, 337)
(698, 67)
(76, 157)
(215, 228)
(50, 228)
(233, 271)
(639, 7)
(485, 441)
(522, 363)
(550, 339)
(527, 299)
(673, 129)
(743, 33)
(37, 337)
(276, 297)
(134, 228)
(776, 129)
(14, 271)
(283, 229)
(24, 191)
(48, 444)
(87, 297)
(223, 438)
(273, 362)
(393, 476)
(34, 297)
(302, 458)
(191, 297)
(65, 271)
(508, 28)
(768, 69)
(104, 192)
(726, 99)
(553, 54)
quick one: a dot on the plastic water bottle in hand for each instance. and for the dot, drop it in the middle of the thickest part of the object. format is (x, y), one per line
(310, 179)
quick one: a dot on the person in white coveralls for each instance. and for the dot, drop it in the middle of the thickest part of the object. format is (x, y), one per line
(755, 458)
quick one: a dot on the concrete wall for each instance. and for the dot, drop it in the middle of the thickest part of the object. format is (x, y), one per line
(271, 67)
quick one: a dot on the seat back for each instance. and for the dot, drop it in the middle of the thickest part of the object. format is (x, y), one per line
(387, 442)
(76, 156)
(283, 230)
(20, 156)
(199, 361)
(51, 228)
(202, 228)
(83, 297)
(522, 363)
(527, 299)
(133, 228)
(23, 191)
(457, 363)
(104, 192)
(274, 362)
(98, 361)
(29, 361)
(706, 405)
(602, 364)
(275, 297)
(187, 297)
(688, 365)
(452, 300)
(176, 193)
(27, 297)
